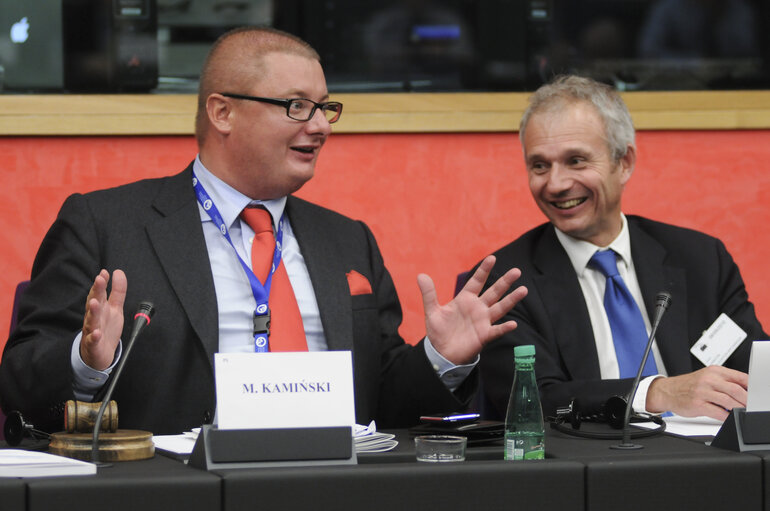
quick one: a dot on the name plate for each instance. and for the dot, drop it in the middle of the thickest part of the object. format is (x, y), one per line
(284, 390)
(759, 377)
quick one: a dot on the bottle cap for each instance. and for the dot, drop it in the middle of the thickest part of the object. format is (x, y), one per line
(528, 350)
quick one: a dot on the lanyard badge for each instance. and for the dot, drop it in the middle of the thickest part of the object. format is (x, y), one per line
(261, 291)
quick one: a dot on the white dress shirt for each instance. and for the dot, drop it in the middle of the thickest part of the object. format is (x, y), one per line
(592, 283)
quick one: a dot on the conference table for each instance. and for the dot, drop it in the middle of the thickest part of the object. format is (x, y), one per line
(669, 473)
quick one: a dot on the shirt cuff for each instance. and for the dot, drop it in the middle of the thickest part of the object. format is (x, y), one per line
(86, 380)
(450, 374)
(640, 399)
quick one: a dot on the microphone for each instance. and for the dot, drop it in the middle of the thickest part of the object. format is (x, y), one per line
(16, 428)
(141, 319)
(662, 302)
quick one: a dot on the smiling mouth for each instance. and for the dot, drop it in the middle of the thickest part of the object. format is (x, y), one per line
(304, 150)
(568, 203)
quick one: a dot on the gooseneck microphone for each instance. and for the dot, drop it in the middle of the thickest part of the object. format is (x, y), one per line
(662, 302)
(141, 319)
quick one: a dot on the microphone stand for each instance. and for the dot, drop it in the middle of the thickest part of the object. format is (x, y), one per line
(663, 300)
(141, 319)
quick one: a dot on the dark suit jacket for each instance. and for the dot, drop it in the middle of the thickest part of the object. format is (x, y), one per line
(694, 268)
(152, 230)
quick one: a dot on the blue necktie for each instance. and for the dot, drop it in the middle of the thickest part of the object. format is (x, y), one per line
(628, 331)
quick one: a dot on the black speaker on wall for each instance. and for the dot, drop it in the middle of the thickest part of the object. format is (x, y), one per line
(110, 45)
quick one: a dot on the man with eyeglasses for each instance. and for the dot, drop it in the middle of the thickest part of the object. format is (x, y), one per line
(185, 242)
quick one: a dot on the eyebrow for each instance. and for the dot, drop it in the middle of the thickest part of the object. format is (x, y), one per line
(297, 93)
(534, 156)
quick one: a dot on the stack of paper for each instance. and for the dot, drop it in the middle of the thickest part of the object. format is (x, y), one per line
(18, 463)
(176, 445)
(367, 439)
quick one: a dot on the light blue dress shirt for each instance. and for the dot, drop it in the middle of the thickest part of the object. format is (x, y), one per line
(235, 300)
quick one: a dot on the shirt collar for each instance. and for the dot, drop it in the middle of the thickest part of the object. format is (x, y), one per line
(229, 201)
(580, 251)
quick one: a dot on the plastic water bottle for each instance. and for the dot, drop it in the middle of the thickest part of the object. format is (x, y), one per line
(524, 427)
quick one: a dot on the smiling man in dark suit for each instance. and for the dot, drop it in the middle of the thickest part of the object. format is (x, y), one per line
(579, 150)
(185, 242)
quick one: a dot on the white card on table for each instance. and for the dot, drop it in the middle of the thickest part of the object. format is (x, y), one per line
(718, 342)
(284, 390)
(759, 377)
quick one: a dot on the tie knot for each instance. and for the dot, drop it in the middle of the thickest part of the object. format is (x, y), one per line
(605, 262)
(258, 218)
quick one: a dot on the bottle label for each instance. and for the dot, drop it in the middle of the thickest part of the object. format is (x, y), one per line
(524, 447)
(535, 454)
(511, 452)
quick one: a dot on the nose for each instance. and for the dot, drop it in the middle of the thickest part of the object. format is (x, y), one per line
(318, 123)
(559, 179)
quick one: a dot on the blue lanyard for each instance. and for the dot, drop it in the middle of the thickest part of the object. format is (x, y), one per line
(261, 291)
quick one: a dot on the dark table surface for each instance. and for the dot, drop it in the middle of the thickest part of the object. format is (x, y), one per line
(578, 473)
(669, 471)
(157, 483)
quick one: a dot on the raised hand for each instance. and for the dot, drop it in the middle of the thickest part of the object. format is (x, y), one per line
(103, 321)
(461, 328)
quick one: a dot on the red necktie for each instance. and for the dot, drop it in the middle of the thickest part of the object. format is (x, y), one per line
(286, 330)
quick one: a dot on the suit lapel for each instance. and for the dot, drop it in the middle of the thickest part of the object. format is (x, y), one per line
(327, 273)
(563, 300)
(177, 237)
(655, 275)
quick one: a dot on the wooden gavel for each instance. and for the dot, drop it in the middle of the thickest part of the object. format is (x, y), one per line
(80, 417)
(76, 441)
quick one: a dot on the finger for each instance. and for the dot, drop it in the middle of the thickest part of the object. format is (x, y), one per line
(86, 345)
(727, 403)
(729, 396)
(496, 331)
(735, 390)
(97, 295)
(501, 286)
(508, 302)
(92, 317)
(119, 288)
(476, 283)
(713, 411)
(428, 291)
(731, 375)
(93, 338)
(99, 287)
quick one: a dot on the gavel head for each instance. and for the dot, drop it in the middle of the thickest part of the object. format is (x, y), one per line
(80, 417)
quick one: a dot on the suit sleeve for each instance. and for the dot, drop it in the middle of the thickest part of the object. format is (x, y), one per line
(408, 384)
(35, 373)
(557, 387)
(734, 302)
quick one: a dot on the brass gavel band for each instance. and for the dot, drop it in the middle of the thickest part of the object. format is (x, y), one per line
(80, 417)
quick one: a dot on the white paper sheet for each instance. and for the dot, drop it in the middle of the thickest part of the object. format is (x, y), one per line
(687, 426)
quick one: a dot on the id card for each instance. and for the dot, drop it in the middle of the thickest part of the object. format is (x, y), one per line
(718, 342)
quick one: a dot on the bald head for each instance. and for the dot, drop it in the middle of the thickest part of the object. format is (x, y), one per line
(235, 63)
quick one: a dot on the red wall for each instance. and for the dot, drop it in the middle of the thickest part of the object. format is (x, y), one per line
(436, 202)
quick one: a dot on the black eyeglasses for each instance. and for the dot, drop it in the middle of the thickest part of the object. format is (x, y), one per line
(299, 109)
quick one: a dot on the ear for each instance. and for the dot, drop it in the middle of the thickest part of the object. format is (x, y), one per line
(219, 111)
(627, 163)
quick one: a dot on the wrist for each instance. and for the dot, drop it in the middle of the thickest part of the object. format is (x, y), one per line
(656, 401)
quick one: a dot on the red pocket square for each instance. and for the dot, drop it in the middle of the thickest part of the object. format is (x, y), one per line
(358, 284)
